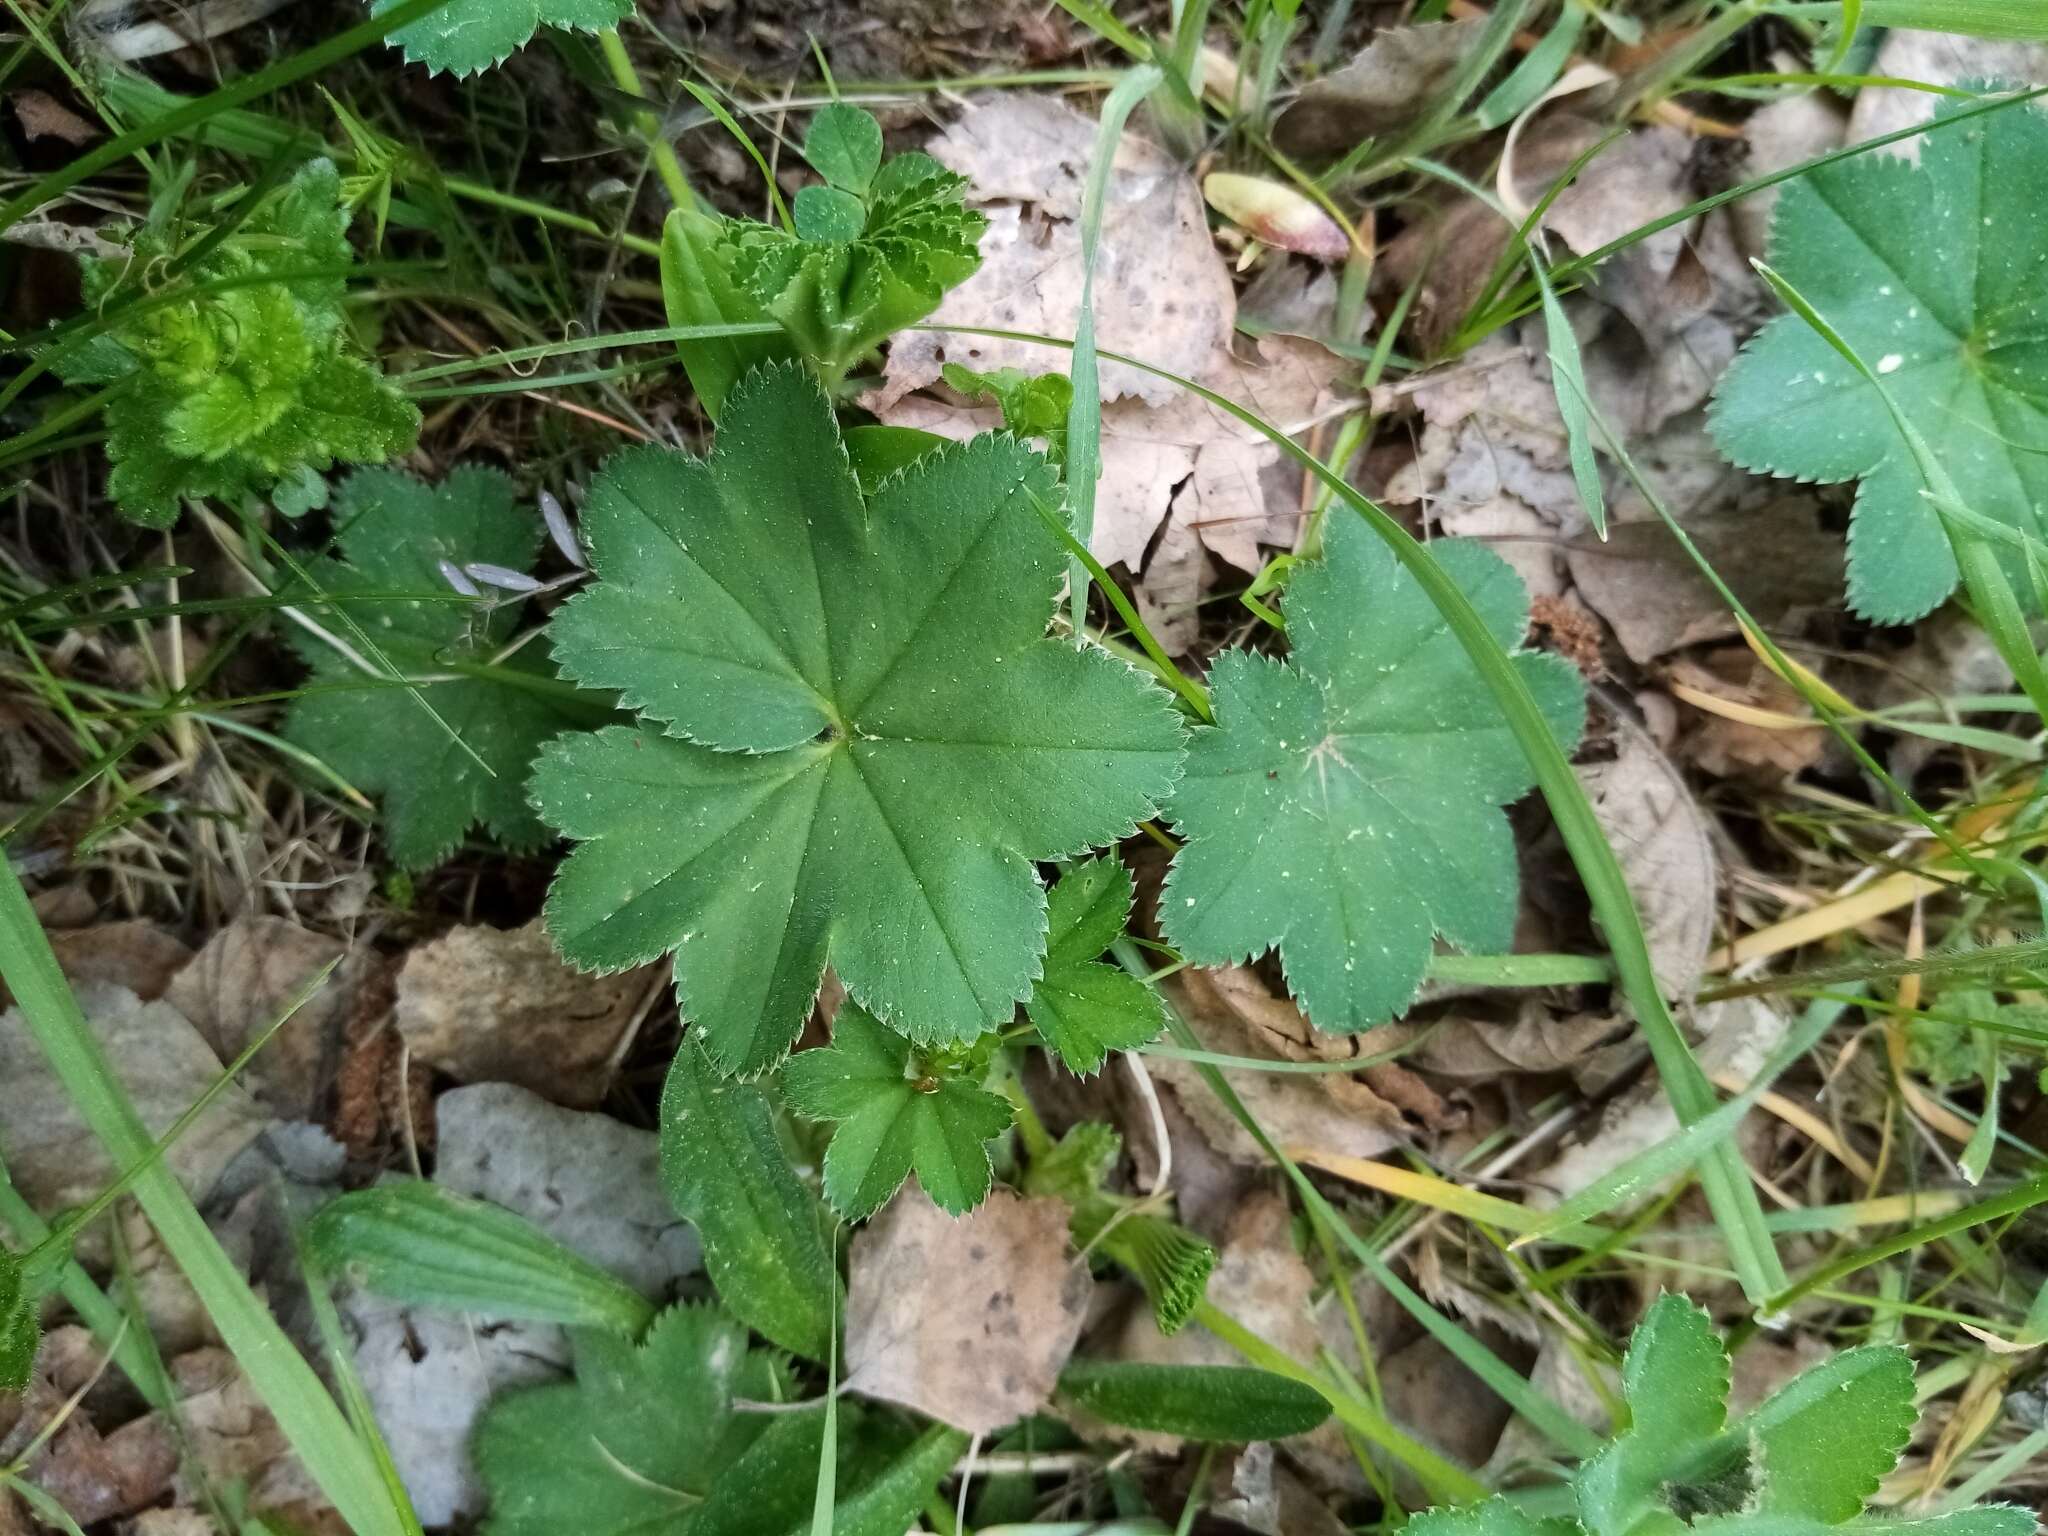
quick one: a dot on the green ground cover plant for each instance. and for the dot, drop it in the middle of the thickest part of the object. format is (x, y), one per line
(825, 705)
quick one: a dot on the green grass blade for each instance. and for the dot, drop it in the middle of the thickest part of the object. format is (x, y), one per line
(1084, 415)
(312, 1424)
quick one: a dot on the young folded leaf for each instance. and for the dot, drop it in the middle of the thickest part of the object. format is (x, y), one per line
(465, 36)
(245, 384)
(893, 1121)
(1931, 274)
(856, 736)
(385, 737)
(1083, 1008)
(873, 251)
(1345, 807)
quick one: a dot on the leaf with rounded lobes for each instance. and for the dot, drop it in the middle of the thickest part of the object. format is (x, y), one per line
(1930, 273)
(396, 532)
(1345, 807)
(825, 214)
(465, 36)
(1675, 1379)
(890, 1124)
(726, 1173)
(638, 1441)
(844, 145)
(856, 736)
(1083, 1008)
(1828, 1437)
(1229, 1404)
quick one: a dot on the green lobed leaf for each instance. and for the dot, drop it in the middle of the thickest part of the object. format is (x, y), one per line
(883, 1480)
(761, 1229)
(637, 1442)
(229, 386)
(419, 1243)
(844, 145)
(1345, 807)
(1675, 1379)
(855, 737)
(838, 290)
(893, 1116)
(1495, 1517)
(1929, 273)
(20, 1330)
(465, 36)
(1828, 1437)
(1033, 404)
(1083, 1008)
(395, 532)
(1234, 1405)
(697, 289)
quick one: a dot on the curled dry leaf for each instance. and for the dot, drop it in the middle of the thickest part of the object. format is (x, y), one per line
(1734, 1037)
(245, 977)
(1233, 1012)
(1390, 82)
(1774, 555)
(1666, 849)
(232, 1439)
(133, 953)
(1276, 214)
(1736, 714)
(968, 1320)
(1161, 291)
(164, 1064)
(1538, 1040)
(490, 1005)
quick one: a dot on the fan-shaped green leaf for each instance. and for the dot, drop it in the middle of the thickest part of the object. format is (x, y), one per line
(465, 36)
(1345, 807)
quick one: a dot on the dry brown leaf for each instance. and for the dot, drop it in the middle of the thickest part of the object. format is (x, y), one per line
(1729, 747)
(94, 1475)
(133, 953)
(1223, 483)
(43, 116)
(1666, 849)
(490, 1005)
(1231, 1011)
(967, 1319)
(164, 1064)
(1734, 1037)
(1775, 556)
(169, 1522)
(1539, 1040)
(233, 1439)
(1161, 291)
(1390, 82)
(244, 979)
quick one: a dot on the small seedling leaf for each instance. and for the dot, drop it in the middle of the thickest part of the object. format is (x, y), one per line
(892, 1121)
(697, 288)
(1676, 1379)
(856, 736)
(844, 145)
(1829, 1436)
(762, 1230)
(1345, 808)
(465, 36)
(427, 1246)
(1927, 272)
(395, 534)
(1083, 1008)
(1234, 1405)
(1495, 1517)
(826, 214)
